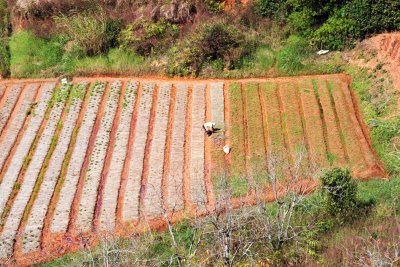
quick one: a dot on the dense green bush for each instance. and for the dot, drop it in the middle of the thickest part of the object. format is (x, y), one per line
(144, 36)
(218, 42)
(4, 34)
(339, 192)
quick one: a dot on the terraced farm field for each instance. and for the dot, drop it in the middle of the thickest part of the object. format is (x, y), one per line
(103, 154)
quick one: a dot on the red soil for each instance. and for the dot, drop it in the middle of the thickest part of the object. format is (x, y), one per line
(255, 127)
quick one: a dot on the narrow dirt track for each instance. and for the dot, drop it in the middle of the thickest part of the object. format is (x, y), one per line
(111, 157)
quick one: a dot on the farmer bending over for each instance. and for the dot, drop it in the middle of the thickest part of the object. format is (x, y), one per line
(209, 128)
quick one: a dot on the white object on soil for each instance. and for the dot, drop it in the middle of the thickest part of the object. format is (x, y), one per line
(226, 149)
(322, 52)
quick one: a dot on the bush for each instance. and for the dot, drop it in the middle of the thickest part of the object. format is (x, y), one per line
(4, 58)
(277, 9)
(218, 41)
(144, 36)
(335, 34)
(339, 191)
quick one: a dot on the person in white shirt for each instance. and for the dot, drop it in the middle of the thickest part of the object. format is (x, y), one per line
(209, 128)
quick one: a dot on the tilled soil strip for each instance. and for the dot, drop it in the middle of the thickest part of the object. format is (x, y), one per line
(238, 154)
(313, 123)
(11, 133)
(355, 154)
(34, 226)
(197, 185)
(67, 193)
(294, 127)
(275, 142)
(2, 90)
(337, 152)
(153, 196)
(130, 209)
(110, 195)
(367, 152)
(175, 174)
(255, 128)
(217, 116)
(93, 172)
(24, 146)
(14, 218)
(9, 105)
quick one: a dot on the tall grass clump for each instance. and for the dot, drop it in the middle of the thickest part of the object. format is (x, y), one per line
(290, 57)
(91, 30)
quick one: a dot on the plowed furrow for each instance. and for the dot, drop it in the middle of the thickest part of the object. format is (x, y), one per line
(217, 114)
(31, 174)
(386, 42)
(337, 153)
(7, 140)
(24, 146)
(217, 104)
(395, 50)
(34, 225)
(237, 136)
(61, 214)
(9, 105)
(95, 167)
(313, 123)
(176, 165)
(153, 196)
(275, 142)
(130, 208)
(355, 153)
(256, 136)
(110, 195)
(197, 185)
(291, 117)
(2, 90)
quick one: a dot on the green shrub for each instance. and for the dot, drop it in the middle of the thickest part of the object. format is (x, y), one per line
(145, 36)
(335, 34)
(4, 34)
(4, 58)
(215, 41)
(339, 191)
(277, 9)
(214, 6)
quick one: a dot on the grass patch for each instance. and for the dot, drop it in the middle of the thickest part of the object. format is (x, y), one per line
(32, 56)
(378, 103)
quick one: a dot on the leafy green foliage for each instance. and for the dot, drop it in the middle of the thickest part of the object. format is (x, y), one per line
(4, 34)
(340, 192)
(214, 6)
(210, 42)
(144, 36)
